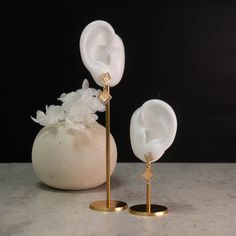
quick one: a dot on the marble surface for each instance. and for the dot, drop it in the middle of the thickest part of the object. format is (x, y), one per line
(201, 199)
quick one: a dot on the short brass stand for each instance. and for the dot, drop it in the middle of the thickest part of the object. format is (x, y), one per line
(107, 205)
(148, 209)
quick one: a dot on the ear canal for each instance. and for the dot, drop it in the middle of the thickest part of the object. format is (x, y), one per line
(97, 46)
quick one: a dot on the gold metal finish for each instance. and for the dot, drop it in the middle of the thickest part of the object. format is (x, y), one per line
(147, 175)
(108, 164)
(149, 158)
(148, 209)
(104, 97)
(113, 206)
(148, 197)
(156, 210)
(107, 205)
(106, 78)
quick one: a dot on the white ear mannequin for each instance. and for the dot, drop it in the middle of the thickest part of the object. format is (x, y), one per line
(152, 129)
(102, 51)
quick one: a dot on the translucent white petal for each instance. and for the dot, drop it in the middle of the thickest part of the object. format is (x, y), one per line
(54, 114)
(85, 84)
(67, 97)
(41, 118)
(91, 118)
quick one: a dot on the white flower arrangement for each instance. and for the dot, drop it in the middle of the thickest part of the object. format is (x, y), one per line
(77, 110)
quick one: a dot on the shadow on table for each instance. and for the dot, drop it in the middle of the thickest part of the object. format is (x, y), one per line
(179, 207)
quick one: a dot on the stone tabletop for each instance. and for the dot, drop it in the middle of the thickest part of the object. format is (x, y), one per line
(201, 199)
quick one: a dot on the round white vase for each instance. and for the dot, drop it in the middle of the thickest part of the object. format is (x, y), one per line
(70, 159)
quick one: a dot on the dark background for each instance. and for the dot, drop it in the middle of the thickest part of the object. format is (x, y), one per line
(184, 54)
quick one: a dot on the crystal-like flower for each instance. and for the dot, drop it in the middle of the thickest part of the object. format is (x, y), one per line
(54, 114)
(77, 109)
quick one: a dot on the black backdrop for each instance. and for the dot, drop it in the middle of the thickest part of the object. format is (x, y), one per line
(184, 54)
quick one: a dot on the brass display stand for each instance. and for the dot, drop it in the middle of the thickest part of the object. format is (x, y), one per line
(107, 205)
(148, 209)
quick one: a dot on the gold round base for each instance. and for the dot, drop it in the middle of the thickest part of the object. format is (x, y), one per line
(141, 210)
(114, 206)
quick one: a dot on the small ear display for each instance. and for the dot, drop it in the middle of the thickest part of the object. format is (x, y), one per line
(152, 129)
(102, 51)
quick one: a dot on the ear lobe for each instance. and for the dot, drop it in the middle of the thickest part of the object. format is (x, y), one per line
(102, 51)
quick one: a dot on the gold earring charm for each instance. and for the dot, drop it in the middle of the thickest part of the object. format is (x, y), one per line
(105, 96)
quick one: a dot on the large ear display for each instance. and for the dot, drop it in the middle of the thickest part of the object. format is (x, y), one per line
(152, 129)
(102, 51)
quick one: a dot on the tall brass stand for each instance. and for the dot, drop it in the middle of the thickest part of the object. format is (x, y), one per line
(107, 205)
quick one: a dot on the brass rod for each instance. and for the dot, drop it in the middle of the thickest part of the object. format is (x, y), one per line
(148, 187)
(148, 196)
(108, 182)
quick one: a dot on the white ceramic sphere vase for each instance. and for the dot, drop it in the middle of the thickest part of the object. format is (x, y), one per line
(70, 159)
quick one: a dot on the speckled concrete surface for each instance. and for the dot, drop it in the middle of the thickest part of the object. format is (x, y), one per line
(201, 199)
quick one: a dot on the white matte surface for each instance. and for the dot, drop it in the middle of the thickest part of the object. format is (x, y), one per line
(152, 129)
(72, 159)
(102, 51)
(201, 199)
